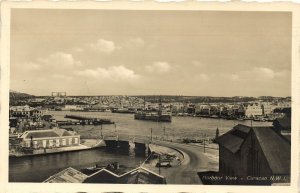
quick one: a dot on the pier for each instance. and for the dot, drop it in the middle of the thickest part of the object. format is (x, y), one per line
(84, 120)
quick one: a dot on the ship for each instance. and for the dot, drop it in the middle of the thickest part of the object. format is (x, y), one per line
(124, 110)
(153, 115)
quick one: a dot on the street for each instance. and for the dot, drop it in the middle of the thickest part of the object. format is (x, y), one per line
(195, 161)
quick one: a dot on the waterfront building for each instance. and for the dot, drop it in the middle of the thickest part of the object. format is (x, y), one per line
(283, 104)
(190, 109)
(74, 107)
(68, 175)
(26, 112)
(50, 138)
(241, 110)
(20, 111)
(268, 108)
(214, 110)
(252, 110)
(205, 110)
(258, 152)
(138, 175)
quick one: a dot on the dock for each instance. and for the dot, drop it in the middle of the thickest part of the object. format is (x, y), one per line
(84, 120)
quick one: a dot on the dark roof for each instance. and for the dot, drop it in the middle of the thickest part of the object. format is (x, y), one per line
(102, 176)
(275, 148)
(242, 128)
(69, 175)
(230, 142)
(284, 122)
(233, 139)
(142, 176)
(43, 134)
(138, 175)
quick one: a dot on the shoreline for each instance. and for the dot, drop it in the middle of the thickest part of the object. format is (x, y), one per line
(80, 147)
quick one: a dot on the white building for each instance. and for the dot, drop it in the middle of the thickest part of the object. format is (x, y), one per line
(25, 112)
(50, 138)
(253, 110)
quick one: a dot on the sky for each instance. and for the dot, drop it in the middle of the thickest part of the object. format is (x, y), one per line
(130, 52)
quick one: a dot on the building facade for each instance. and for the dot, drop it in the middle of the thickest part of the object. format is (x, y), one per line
(51, 138)
(255, 155)
(253, 110)
(26, 112)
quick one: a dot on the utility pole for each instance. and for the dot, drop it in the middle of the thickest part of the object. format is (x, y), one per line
(101, 132)
(151, 134)
(164, 132)
(204, 142)
(159, 164)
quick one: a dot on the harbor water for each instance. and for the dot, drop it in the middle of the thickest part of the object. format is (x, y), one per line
(180, 127)
(39, 168)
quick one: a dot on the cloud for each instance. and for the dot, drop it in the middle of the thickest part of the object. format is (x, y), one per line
(159, 67)
(113, 73)
(104, 46)
(261, 73)
(57, 61)
(204, 77)
(138, 42)
(264, 72)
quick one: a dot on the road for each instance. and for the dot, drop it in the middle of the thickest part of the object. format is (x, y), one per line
(195, 161)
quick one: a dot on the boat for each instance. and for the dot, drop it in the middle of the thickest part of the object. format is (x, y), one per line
(124, 110)
(89, 120)
(153, 115)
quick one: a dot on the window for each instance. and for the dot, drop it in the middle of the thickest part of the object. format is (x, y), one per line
(70, 141)
(35, 144)
(64, 142)
(76, 140)
(57, 143)
(50, 143)
(44, 143)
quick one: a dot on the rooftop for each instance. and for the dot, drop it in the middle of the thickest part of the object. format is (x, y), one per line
(138, 175)
(275, 148)
(47, 133)
(284, 122)
(69, 175)
(233, 139)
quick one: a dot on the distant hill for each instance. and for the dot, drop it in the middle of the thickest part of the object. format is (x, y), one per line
(14, 95)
